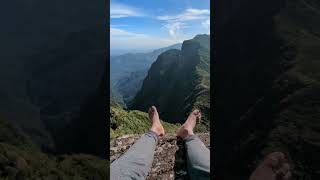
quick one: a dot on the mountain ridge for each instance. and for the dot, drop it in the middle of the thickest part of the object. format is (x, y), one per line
(179, 75)
(267, 89)
(128, 70)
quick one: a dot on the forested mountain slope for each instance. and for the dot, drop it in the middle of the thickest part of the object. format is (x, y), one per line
(127, 71)
(52, 85)
(21, 159)
(178, 81)
(267, 85)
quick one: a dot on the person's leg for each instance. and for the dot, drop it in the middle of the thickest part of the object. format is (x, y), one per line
(137, 161)
(198, 155)
(274, 167)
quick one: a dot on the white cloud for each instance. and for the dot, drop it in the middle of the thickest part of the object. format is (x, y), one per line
(121, 10)
(206, 25)
(187, 15)
(175, 28)
(175, 24)
(116, 32)
(198, 11)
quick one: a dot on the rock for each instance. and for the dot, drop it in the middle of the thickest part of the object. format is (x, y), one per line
(169, 160)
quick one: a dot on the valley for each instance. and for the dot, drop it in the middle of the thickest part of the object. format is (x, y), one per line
(177, 82)
(52, 85)
(127, 72)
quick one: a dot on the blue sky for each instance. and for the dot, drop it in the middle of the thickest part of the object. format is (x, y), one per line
(138, 25)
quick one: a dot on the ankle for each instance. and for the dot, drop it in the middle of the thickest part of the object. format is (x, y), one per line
(185, 132)
(156, 130)
(189, 133)
(189, 128)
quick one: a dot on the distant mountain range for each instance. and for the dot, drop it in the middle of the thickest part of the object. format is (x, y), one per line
(178, 81)
(127, 71)
(122, 65)
(127, 87)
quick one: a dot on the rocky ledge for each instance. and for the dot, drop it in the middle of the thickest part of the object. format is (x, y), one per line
(169, 161)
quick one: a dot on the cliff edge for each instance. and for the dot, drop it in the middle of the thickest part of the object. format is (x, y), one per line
(169, 161)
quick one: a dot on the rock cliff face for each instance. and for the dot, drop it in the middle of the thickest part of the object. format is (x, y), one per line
(169, 161)
(52, 89)
(266, 85)
(51, 65)
(179, 81)
(61, 81)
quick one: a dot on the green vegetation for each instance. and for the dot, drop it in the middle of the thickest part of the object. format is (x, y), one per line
(127, 72)
(48, 82)
(22, 163)
(268, 84)
(20, 159)
(179, 81)
(129, 86)
(132, 122)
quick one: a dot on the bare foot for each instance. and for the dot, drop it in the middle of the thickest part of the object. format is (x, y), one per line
(156, 124)
(187, 128)
(274, 167)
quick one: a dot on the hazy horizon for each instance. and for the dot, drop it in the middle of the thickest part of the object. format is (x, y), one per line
(117, 52)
